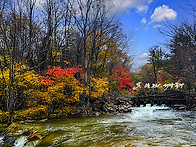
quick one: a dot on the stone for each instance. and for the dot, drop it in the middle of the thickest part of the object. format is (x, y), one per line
(9, 141)
(96, 113)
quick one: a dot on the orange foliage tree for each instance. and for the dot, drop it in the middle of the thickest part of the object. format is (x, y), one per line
(59, 89)
(60, 84)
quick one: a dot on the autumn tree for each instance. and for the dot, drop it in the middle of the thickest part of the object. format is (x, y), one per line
(9, 53)
(61, 87)
(96, 30)
(121, 80)
(147, 72)
(15, 40)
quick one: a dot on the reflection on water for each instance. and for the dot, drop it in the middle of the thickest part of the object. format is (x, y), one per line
(145, 126)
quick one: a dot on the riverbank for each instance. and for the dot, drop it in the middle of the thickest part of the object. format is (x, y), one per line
(112, 103)
(107, 104)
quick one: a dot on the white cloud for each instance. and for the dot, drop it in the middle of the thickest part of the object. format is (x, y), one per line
(143, 20)
(39, 3)
(146, 29)
(157, 26)
(143, 8)
(116, 5)
(132, 41)
(125, 4)
(141, 5)
(162, 14)
(143, 56)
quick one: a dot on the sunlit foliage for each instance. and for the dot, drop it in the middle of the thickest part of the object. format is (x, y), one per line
(25, 82)
(60, 84)
(100, 87)
(32, 112)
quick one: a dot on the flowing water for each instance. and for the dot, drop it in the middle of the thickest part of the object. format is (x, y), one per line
(145, 126)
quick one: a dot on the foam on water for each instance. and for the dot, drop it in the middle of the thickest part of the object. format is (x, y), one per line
(1, 139)
(20, 142)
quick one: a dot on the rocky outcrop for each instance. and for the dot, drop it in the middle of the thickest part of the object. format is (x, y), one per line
(111, 103)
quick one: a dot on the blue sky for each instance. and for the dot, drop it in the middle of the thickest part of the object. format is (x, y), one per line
(143, 17)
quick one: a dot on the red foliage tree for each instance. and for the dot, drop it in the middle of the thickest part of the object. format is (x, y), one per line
(122, 78)
(58, 72)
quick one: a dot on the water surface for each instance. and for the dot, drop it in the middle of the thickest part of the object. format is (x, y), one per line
(145, 126)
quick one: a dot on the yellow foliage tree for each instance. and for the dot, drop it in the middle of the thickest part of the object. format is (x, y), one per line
(99, 87)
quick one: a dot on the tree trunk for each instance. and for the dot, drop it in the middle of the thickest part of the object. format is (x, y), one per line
(11, 110)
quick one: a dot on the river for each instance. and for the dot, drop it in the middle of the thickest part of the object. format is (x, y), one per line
(145, 126)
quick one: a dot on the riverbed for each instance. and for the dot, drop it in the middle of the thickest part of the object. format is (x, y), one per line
(144, 126)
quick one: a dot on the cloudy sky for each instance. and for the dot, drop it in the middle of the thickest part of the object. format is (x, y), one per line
(144, 17)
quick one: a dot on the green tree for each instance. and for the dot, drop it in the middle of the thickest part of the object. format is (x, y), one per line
(156, 58)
